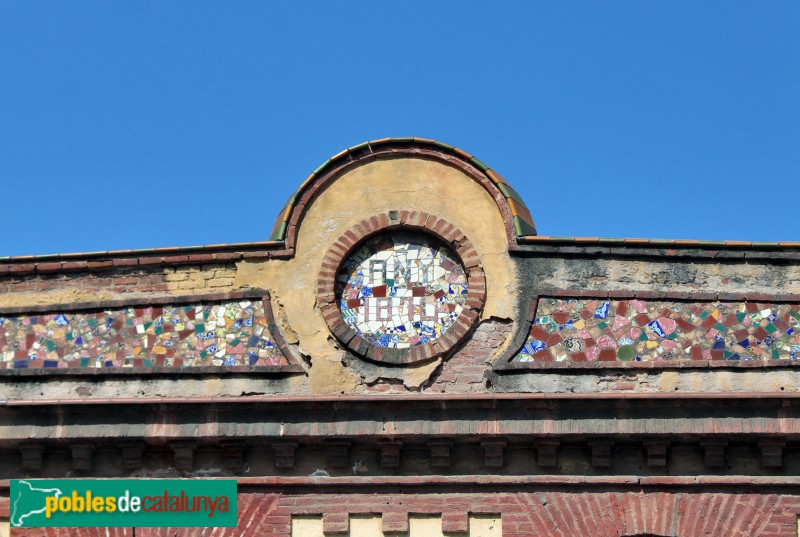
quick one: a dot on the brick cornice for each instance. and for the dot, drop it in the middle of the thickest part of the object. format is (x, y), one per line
(248, 484)
(653, 248)
(432, 399)
(145, 258)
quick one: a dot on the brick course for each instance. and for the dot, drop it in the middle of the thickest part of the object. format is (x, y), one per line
(524, 514)
(124, 281)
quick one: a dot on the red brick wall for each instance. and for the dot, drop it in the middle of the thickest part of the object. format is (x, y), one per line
(136, 281)
(596, 514)
(466, 370)
(121, 280)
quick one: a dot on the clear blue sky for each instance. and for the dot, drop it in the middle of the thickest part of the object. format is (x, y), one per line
(144, 124)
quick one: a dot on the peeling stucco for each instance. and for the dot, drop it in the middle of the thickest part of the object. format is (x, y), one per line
(363, 191)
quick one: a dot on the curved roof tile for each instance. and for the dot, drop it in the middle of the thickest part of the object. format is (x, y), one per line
(522, 220)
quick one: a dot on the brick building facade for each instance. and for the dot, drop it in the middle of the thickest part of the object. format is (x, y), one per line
(406, 355)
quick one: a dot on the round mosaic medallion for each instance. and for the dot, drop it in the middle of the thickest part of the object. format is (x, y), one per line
(401, 287)
(401, 290)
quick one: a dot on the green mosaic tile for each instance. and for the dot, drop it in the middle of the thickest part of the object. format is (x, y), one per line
(583, 329)
(215, 334)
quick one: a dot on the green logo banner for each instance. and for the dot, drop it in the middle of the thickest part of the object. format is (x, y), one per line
(75, 503)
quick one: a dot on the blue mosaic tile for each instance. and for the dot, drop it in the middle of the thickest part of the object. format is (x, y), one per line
(402, 290)
(223, 334)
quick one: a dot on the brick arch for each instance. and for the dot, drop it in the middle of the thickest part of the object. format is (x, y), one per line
(425, 223)
(516, 218)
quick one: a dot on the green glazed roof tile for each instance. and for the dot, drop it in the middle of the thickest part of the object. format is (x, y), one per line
(522, 228)
(483, 167)
(510, 193)
(292, 199)
(444, 145)
(279, 232)
(357, 147)
(322, 167)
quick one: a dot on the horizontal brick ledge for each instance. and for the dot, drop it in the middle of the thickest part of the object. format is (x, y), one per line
(412, 397)
(493, 481)
(539, 480)
(138, 301)
(663, 365)
(682, 296)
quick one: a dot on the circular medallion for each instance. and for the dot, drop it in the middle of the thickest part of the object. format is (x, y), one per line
(401, 292)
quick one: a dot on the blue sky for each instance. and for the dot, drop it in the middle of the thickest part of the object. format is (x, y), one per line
(146, 124)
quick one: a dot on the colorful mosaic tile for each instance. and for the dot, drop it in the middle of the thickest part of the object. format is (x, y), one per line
(402, 290)
(222, 334)
(582, 330)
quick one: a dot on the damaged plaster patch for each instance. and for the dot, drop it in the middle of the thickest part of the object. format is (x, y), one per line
(198, 279)
(417, 376)
(328, 376)
(289, 335)
(502, 331)
(56, 296)
(412, 376)
(668, 381)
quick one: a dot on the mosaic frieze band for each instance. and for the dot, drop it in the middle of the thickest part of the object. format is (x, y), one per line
(225, 334)
(607, 330)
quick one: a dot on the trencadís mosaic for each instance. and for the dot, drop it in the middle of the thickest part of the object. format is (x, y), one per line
(222, 334)
(607, 330)
(401, 290)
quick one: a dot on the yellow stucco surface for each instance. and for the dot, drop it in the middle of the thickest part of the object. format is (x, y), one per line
(485, 526)
(363, 191)
(55, 296)
(187, 280)
(206, 279)
(418, 526)
(307, 526)
(366, 526)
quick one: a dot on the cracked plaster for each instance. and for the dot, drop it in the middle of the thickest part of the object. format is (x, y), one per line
(429, 186)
